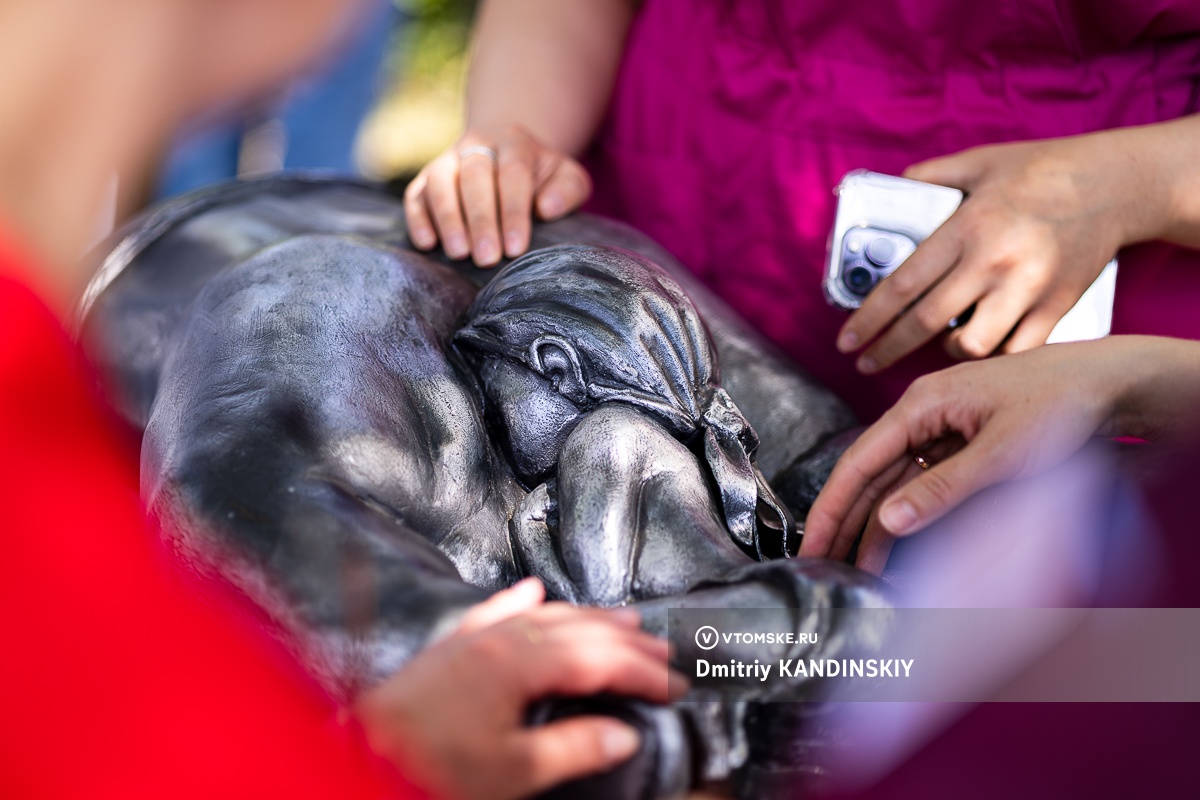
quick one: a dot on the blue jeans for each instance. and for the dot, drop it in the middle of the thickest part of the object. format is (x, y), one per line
(321, 115)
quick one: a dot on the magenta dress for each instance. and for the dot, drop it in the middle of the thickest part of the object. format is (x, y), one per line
(733, 120)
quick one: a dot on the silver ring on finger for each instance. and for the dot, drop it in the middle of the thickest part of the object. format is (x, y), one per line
(479, 150)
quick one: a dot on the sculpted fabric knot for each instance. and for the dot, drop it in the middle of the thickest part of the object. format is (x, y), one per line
(729, 447)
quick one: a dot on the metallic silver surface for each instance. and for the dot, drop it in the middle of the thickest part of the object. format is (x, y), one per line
(367, 444)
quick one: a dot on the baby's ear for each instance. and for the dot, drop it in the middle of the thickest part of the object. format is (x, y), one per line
(555, 360)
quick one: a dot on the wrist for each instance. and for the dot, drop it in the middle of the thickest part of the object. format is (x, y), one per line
(1143, 189)
(1159, 201)
(1156, 384)
(491, 128)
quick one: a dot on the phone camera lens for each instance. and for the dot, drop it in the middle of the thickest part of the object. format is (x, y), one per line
(860, 279)
(882, 251)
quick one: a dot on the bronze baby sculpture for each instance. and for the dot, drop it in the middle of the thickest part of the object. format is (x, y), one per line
(598, 372)
(368, 444)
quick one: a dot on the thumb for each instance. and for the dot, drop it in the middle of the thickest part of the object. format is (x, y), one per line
(563, 190)
(934, 493)
(572, 748)
(961, 170)
(517, 599)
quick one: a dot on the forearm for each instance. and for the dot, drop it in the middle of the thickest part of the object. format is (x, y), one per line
(1162, 163)
(547, 66)
(1158, 382)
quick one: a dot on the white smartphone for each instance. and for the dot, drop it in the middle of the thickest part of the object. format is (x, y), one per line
(882, 218)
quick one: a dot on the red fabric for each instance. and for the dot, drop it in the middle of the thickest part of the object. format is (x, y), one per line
(731, 123)
(115, 681)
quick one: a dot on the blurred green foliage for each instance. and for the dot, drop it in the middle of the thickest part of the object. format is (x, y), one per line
(435, 35)
(420, 112)
(428, 9)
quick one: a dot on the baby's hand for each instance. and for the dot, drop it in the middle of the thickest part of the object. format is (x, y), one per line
(533, 532)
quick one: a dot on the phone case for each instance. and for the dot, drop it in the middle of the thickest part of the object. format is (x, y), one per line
(872, 200)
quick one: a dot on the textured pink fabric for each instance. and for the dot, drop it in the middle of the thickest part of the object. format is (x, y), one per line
(732, 121)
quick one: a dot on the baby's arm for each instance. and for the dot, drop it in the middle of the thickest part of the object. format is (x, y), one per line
(636, 516)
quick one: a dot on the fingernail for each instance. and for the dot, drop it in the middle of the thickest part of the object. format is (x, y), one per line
(866, 364)
(550, 205)
(677, 685)
(847, 341)
(486, 252)
(528, 585)
(513, 244)
(456, 246)
(619, 741)
(898, 516)
(423, 239)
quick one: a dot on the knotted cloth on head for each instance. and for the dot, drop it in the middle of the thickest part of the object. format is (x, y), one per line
(640, 341)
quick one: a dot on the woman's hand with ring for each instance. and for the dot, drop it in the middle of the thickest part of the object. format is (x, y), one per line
(976, 425)
(483, 205)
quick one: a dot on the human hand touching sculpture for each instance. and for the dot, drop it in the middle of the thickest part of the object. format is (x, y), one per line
(455, 716)
(1039, 223)
(977, 425)
(532, 110)
(1042, 218)
(479, 198)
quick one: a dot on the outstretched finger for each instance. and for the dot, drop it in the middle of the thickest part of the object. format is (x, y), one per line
(542, 633)
(442, 200)
(477, 182)
(557, 612)
(876, 543)
(515, 173)
(875, 547)
(927, 318)
(996, 315)
(619, 665)
(1035, 328)
(420, 225)
(880, 447)
(594, 628)
(517, 599)
(570, 748)
(863, 509)
(936, 256)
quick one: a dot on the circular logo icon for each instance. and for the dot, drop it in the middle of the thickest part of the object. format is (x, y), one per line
(707, 637)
